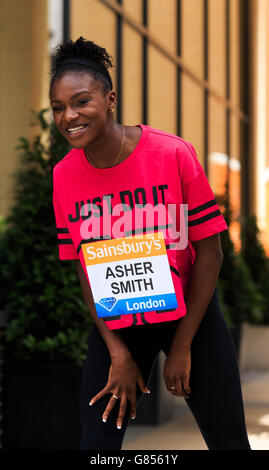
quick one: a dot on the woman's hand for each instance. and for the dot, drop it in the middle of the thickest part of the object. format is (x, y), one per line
(176, 371)
(122, 379)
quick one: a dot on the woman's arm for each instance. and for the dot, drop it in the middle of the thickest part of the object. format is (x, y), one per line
(112, 339)
(201, 286)
(200, 289)
(123, 373)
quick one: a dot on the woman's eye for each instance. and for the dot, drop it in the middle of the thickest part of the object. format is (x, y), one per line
(82, 102)
(57, 109)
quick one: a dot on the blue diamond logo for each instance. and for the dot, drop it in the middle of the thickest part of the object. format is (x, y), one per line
(108, 303)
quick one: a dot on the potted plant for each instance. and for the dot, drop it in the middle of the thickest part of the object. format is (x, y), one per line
(46, 334)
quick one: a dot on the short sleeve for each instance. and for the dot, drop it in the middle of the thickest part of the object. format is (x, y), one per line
(204, 216)
(66, 247)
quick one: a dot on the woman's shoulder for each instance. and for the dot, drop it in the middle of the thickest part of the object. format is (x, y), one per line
(160, 141)
(68, 159)
(168, 138)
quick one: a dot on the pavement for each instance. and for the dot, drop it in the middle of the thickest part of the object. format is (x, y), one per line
(182, 432)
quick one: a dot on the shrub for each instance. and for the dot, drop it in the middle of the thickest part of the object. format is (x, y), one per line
(239, 292)
(47, 319)
(255, 257)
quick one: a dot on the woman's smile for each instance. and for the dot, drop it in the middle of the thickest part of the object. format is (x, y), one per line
(76, 131)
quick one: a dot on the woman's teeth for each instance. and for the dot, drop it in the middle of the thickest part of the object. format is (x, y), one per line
(75, 129)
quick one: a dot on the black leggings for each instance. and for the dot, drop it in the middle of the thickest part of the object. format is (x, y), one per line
(216, 399)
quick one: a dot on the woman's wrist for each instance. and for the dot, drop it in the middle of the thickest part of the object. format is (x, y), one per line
(182, 339)
(180, 345)
(118, 350)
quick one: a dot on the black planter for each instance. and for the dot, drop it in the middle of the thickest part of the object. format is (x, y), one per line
(41, 406)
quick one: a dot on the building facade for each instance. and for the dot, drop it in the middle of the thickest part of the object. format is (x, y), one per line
(196, 68)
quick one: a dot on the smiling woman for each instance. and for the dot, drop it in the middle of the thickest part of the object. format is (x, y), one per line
(82, 99)
(139, 168)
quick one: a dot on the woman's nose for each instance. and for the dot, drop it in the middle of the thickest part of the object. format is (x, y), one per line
(70, 115)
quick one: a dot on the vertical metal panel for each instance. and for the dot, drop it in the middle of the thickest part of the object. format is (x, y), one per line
(55, 23)
(217, 144)
(132, 76)
(145, 64)
(98, 24)
(227, 57)
(119, 65)
(66, 20)
(192, 53)
(206, 126)
(162, 72)
(132, 40)
(178, 91)
(246, 193)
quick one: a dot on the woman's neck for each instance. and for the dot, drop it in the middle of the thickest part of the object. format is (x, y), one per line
(106, 147)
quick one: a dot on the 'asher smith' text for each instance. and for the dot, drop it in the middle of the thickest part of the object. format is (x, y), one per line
(132, 285)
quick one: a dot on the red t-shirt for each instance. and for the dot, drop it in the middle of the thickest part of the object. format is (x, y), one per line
(163, 171)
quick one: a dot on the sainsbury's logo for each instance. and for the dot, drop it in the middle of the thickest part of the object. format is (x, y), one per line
(124, 248)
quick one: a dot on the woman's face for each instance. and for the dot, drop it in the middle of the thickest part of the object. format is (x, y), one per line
(80, 107)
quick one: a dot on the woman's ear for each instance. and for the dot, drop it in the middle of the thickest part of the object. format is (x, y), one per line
(112, 98)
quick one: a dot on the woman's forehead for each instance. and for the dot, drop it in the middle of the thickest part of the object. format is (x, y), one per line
(73, 82)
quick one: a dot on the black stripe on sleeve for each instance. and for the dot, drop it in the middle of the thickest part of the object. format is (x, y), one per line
(206, 217)
(65, 241)
(91, 240)
(202, 207)
(62, 230)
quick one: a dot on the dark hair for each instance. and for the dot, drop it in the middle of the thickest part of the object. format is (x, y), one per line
(80, 49)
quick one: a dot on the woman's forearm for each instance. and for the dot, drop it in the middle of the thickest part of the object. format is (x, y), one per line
(200, 289)
(117, 348)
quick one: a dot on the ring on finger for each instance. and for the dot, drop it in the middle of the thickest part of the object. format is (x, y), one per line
(172, 388)
(115, 396)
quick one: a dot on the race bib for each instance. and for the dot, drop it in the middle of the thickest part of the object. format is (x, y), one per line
(130, 275)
